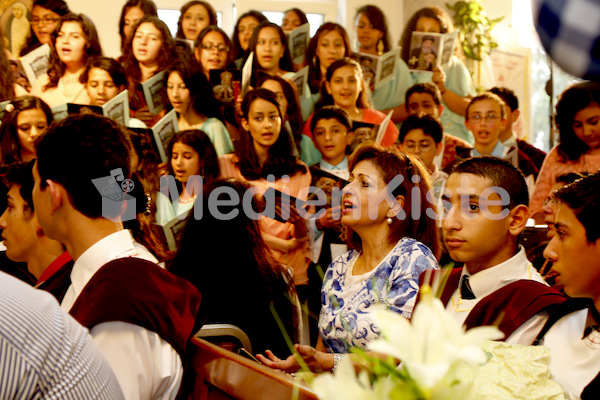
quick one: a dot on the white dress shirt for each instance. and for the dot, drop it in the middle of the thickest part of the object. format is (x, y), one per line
(485, 282)
(575, 350)
(146, 366)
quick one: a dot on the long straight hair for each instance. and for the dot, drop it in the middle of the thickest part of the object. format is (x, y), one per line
(237, 51)
(148, 8)
(281, 160)
(285, 62)
(572, 100)
(314, 64)
(327, 100)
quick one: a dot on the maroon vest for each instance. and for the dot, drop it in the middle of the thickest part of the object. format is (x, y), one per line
(508, 307)
(139, 292)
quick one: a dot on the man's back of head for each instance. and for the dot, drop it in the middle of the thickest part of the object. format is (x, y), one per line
(79, 149)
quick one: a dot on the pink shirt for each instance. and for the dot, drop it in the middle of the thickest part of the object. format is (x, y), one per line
(370, 116)
(553, 167)
(299, 258)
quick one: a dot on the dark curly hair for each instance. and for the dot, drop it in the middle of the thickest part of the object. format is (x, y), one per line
(91, 49)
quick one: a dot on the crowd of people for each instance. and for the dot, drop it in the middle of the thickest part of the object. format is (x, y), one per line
(288, 208)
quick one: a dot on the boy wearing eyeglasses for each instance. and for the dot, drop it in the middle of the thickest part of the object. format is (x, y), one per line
(486, 119)
(421, 135)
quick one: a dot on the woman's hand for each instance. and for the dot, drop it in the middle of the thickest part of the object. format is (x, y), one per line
(163, 169)
(284, 245)
(439, 79)
(300, 225)
(144, 115)
(331, 218)
(316, 361)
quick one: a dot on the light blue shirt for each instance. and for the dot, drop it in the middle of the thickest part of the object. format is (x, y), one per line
(341, 166)
(497, 152)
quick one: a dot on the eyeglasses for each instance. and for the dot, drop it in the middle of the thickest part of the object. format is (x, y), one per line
(477, 118)
(413, 146)
(44, 20)
(208, 47)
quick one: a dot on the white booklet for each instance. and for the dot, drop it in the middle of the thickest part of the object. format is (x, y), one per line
(163, 131)
(117, 108)
(430, 50)
(247, 75)
(60, 112)
(153, 93)
(298, 43)
(379, 70)
(36, 63)
(300, 79)
(174, 229)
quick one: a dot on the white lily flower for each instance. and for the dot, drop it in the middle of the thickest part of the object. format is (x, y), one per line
(343, 384)
(432, 344)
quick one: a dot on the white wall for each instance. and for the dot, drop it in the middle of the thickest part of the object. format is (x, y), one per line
(105, 14)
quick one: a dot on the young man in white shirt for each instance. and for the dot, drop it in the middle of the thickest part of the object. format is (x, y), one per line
(572, 333)
(485, 202)
(138, 314)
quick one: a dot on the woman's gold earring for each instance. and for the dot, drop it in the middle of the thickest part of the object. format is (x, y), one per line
(380, 47)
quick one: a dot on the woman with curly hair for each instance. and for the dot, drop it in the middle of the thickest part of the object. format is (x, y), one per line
(151, 51)
(75, 42)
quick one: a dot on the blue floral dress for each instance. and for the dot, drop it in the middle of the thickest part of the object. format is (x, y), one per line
(347, 299)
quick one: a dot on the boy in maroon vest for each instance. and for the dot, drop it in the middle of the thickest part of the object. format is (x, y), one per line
(485, 202)
(139, 315)
(572, 332)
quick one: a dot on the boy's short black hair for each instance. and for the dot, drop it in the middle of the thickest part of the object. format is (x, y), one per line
(425, 87)
(430, 126)
(331, 112)
(20, 174)
(583, 198)
(508, 96)
(502, 173)
(78, 149)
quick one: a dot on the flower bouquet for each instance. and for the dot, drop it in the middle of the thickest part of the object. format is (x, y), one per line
(439, 360)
